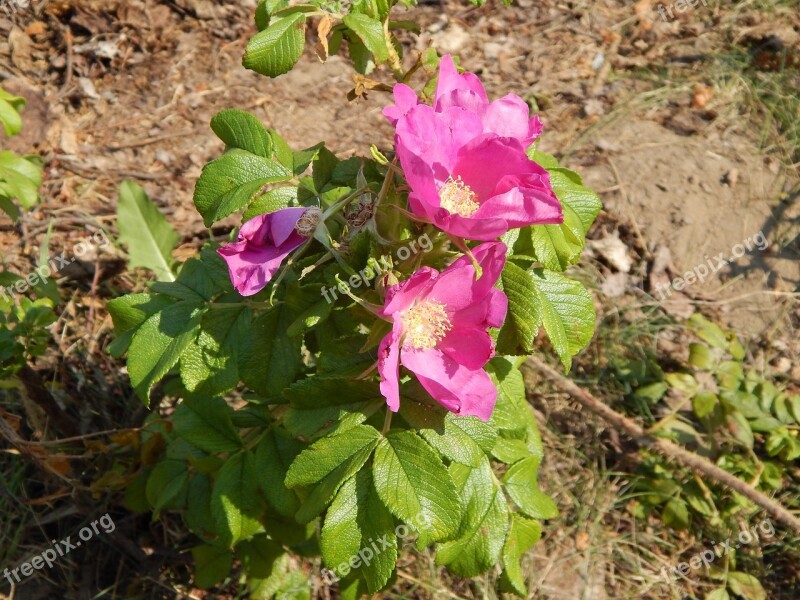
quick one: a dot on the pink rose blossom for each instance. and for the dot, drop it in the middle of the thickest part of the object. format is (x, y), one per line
(262, 244)
(507, 117)
(439, 323)
(464, 159)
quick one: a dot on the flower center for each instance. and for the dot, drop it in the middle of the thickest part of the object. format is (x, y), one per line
(307, 224)
(426, 324)
(458, 198)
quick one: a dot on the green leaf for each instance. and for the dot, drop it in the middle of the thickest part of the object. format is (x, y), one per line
(522, 536)
(158, 344)
(274, 199)
(198, 512)
(165, 483)
(206, 424)
(229, 183)
(210, 364)
(700, 356)
(522, 485)
(240, 129)
(740, 429)
(274, 454)
(128, 313)
(484, 523)
(10, 107)
(559, 246)
(414, 484)
(718, 594)
(676, 514)
(746, 586)
(465, 440)
(524, 311)
(212, 564)
(703, 403)
(709, 332)
(370, 31)
(148, 235)
(271, 360)
(327, 454)
(567, 313)
(317, 401)
(276, 49)
(235, 503)
(20, 178)
(360, 528)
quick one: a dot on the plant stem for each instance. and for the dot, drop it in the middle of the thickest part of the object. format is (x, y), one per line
(387, 422)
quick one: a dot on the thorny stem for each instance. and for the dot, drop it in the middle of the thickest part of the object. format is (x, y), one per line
(394, 59)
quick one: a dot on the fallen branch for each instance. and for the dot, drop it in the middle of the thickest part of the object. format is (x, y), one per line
(665, 447)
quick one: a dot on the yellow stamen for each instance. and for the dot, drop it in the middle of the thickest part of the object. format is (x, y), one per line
(457, 198)
(426, 324)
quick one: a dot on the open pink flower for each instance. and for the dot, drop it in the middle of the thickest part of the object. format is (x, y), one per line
(507, 117)
(464, 159)
(478, 190)
(439, 323)
(262, 244)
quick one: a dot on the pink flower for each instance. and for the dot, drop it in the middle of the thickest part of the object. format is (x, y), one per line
(262, 244)
(439, 323)
(464, 159)
(507, 117)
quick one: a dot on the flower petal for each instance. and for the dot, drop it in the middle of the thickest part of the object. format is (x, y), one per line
(450, 80)
(389, 367)
(469, 346)
(402, 295)
(404, 100)
(457, 287)
(251, 267)
(459, 389)
(509, 117)
(283, 223)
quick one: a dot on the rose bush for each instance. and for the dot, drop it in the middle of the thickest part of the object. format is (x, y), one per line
(309, 423)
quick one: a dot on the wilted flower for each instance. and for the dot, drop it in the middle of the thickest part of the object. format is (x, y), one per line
(439, 323)
(262, 244)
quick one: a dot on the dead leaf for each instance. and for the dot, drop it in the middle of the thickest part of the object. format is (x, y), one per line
(323, 29)
(614, 251)
(701, 95)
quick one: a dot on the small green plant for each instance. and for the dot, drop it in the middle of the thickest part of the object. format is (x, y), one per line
(20, 176)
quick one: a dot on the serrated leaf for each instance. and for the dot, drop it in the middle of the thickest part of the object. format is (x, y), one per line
(274, 454)
(274, 199)
(414, 484)
(484, 522)
(524, 311)
(20, 178)
(271, 360)
(324, 456)
(465, 440)
(568, 313)
(128, 313)
(210, 364)
(317, 401)
(148, 235)
(522, 536)
(559, 246)
(676, 514)
(370, 32)
(235, 503)
(206, 424)
(276, 49)
(521, 483)
(229, 183)
(718, 594)
(165, 483)
(211, 564)
(158, 344)
(358, 524)
(240, 129)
